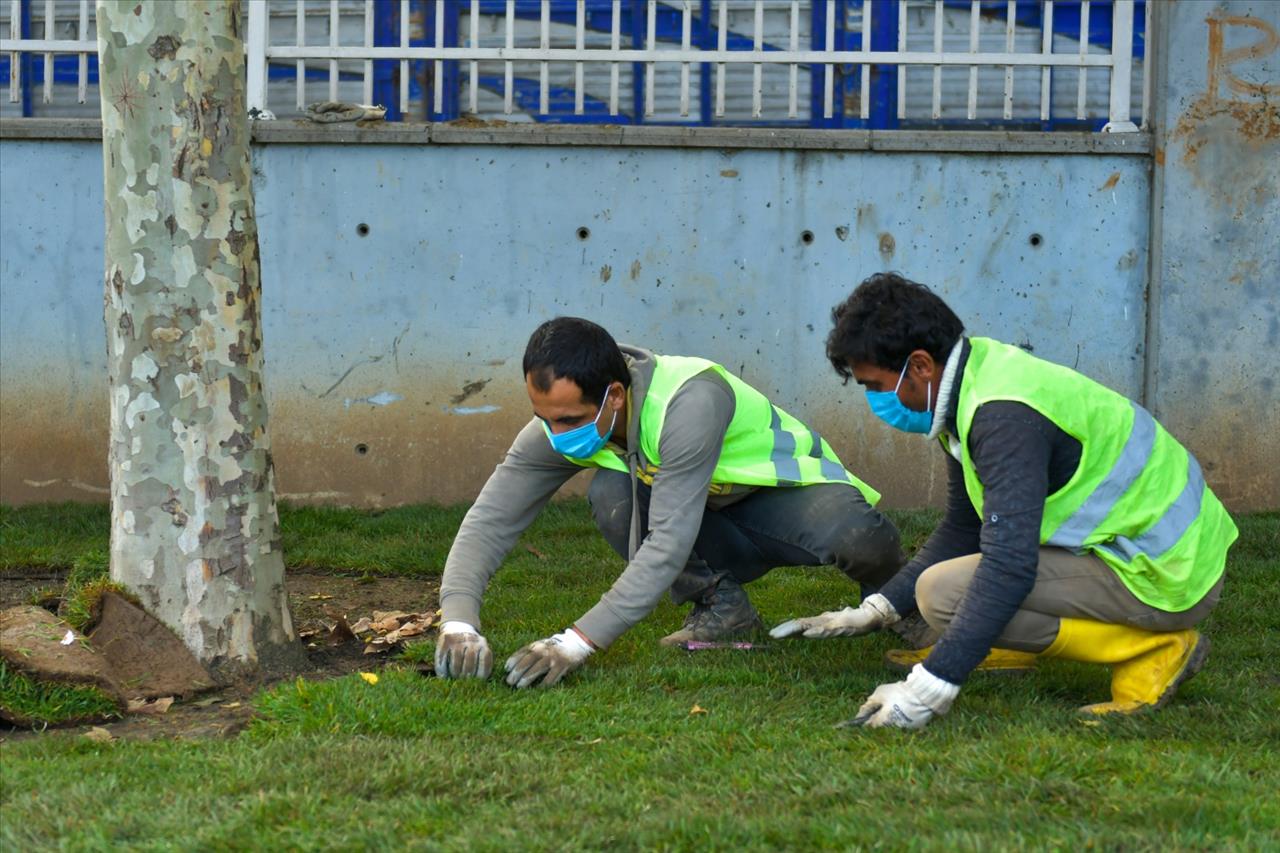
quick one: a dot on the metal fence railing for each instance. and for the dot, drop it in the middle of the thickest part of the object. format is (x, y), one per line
(822, 63)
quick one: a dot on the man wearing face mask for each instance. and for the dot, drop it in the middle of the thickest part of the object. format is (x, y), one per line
(1076, 526)
(701, 484)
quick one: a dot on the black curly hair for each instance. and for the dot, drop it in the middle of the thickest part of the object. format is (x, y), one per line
(885, 319)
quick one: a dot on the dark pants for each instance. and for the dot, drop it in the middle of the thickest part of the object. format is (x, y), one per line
(826, 524)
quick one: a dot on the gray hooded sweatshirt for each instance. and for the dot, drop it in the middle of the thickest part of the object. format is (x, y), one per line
(693, 433)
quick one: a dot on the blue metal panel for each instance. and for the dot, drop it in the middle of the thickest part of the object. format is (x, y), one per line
(386, 32)
(25, 60)
(707, 36)
(449, 109)
(817, 32)
(884, 78)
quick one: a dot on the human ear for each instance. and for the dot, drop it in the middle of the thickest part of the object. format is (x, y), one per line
(920, 364)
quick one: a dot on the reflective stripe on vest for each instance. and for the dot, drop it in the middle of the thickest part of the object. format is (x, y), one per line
(1133, 459)
(764, 445)
(1158, 539)
(1138, 499)
(787, 463)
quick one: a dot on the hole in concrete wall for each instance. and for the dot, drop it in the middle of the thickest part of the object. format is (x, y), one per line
(362, 229)
(583, 232)
(1036, 240)
(806, 237)
(362, 449)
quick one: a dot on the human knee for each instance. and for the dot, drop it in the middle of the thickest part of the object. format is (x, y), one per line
(609, 497)
(867, 550)
(938, 592)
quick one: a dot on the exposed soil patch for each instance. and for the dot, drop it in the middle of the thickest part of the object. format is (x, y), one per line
(315, 600)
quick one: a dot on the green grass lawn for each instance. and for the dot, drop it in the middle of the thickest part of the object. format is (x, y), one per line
(614, 758)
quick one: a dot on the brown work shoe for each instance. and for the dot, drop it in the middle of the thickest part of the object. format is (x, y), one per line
(724, 613)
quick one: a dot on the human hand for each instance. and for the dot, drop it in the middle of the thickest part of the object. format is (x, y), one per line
(549, 660)
(909, 704)
(461, 652)
(875, 612)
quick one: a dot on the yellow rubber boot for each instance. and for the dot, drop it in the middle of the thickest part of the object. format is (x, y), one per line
(1146, 667)
(999, 660)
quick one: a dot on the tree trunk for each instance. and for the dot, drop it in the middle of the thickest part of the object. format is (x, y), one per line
(194, 529)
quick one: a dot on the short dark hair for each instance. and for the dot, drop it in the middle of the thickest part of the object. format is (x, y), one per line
(887, 318)
(575, 349)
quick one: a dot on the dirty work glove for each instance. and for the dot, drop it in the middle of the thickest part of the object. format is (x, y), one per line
(550, 659)
(909, 704)
(461, 652)
(875, 612)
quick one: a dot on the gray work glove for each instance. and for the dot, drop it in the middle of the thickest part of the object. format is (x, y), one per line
(909, 704)
(549, 660)
(875, 612)
(461, 652)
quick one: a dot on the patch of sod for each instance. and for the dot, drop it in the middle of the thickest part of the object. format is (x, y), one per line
(616, 757)
(37, 703)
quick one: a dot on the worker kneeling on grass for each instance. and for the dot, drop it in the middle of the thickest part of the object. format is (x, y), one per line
(701, 484)
(1076, 527)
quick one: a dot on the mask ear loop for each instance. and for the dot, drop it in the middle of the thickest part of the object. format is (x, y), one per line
(928, 399)
(613, 422)
(902, 374)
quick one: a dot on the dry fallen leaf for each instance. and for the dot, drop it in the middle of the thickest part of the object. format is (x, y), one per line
(232, 705)
(697, 709)
(319, 597)
(535, 552)
(381, 615)
(369, 677)
(142, 706)
(383, 626)
(99, 734)
(410, 629)
(363, 626)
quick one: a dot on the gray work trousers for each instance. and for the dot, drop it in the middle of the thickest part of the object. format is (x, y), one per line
(823, 524)
(1067, 586)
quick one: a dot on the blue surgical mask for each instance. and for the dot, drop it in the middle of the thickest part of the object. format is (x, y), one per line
(886, 406)
(582, 442)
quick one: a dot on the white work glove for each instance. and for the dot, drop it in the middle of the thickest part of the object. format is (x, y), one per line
(875, 612)
(909, 704)
(550, 659)
(461, 652)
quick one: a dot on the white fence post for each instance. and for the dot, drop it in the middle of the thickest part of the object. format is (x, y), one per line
(256, 54)
(1121, 67)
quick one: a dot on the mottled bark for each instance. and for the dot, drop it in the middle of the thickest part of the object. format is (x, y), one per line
(194, 530)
